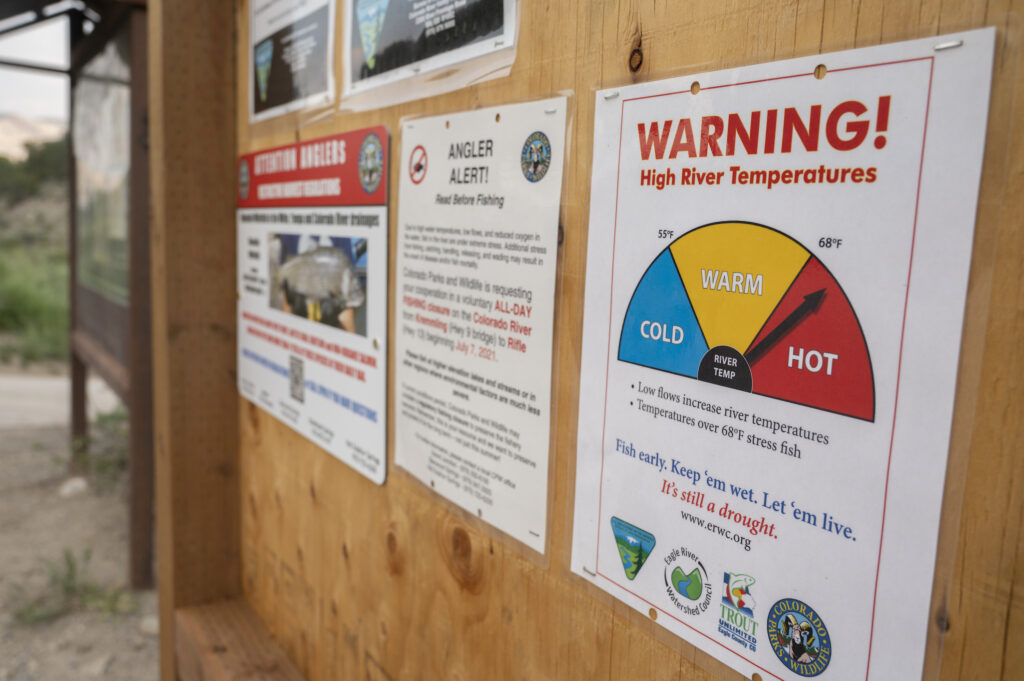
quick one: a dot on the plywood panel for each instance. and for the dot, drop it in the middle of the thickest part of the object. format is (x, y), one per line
(364, 582)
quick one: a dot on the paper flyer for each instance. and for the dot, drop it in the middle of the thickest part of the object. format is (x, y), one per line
(777, 266)
(312, 291)
(388, 41)
(478, 211)
(291, 54)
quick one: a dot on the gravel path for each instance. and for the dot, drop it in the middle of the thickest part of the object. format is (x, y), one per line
(113, 634)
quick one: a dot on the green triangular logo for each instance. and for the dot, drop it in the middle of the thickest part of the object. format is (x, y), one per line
(634, 544)
(370, 14)
(264, 54)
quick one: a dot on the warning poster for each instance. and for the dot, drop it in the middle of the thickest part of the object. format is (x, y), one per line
(312, 291)
(291, 56)
(474, 308)
(776, 273)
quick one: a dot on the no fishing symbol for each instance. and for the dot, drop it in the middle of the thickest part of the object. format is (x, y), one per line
(418, 164)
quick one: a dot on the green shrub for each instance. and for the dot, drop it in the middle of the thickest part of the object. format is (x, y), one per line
(34, 301)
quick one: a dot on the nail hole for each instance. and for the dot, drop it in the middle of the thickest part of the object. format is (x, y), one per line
(636, 60)
(431, 483)
(820, 71)
(653, 614)
(695, 88)
(376, 344)
(447, 124)
(497, 118)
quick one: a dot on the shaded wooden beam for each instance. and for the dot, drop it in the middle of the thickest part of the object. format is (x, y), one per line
(139, 351)
(33, 67)
(102, 362)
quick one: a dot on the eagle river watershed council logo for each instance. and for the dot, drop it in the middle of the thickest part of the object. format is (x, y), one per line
(736, 620)
(371, 163)
(686, 582)
(535, 159)
(799, 637)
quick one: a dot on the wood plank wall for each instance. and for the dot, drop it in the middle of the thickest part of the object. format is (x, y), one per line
(364, 582)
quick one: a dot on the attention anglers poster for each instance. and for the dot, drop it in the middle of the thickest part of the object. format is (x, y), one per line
(313, 291)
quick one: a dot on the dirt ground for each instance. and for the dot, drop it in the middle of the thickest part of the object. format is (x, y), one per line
(106, 631)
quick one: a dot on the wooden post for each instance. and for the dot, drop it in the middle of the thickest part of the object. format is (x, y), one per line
(192, 150)
(78, 370)
(140, 393)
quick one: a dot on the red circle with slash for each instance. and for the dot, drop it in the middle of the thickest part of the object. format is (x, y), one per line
(418, 164)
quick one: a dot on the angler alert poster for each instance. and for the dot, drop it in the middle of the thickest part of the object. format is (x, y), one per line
(478, 210)
(312, 291)
(776, 277)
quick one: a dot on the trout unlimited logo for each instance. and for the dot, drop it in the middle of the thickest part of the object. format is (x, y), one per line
(736, 620)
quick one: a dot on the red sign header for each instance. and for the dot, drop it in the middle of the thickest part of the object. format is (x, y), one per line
(350, 169)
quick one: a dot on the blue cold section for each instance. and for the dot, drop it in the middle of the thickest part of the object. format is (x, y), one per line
(674, 341)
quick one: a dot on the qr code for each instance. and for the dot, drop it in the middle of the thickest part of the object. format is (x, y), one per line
(297, 378)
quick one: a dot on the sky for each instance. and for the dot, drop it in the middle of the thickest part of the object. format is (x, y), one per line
(30, 93)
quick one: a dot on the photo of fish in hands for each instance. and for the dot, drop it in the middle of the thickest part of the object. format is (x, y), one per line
(320, 278)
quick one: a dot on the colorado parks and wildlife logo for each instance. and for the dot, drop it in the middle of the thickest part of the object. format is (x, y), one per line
(686, 581)
(736, 620)
(243, 179)
(535, 159)
(799, 637)
(371, 163)
(634, 546)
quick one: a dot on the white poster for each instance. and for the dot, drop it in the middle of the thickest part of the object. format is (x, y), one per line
(420, 48)
(313, 291)
(291, 56)
(776, 276)
(477, 247)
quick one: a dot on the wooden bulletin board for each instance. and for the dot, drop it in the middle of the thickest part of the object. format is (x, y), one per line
(356, 581)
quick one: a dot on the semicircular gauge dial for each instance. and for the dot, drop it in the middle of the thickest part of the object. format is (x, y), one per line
(747, 307)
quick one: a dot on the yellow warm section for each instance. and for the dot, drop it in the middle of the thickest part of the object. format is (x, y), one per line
(735, 274)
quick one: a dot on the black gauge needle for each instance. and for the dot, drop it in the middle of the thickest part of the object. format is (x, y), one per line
(812, 301)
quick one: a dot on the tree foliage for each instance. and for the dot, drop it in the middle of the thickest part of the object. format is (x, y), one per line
(46, 162)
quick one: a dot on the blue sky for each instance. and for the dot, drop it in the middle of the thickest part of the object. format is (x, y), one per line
(29, 93)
